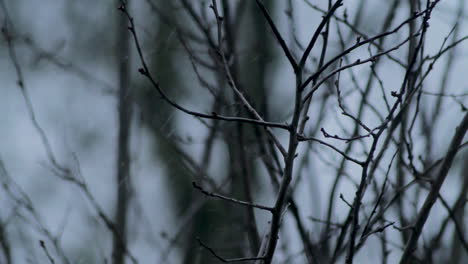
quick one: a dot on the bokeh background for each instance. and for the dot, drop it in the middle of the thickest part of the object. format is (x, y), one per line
(69, 54)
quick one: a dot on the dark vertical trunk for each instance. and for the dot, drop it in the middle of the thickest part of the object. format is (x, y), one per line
(5, 246)
(123, 159)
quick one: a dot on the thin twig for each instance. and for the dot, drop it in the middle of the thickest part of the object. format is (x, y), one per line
(278, 36)
(433, 194)
(358, 162)
(232, 200)
(224, 260)
(46, 251)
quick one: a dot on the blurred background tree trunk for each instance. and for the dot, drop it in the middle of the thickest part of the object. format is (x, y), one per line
(123, 163)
